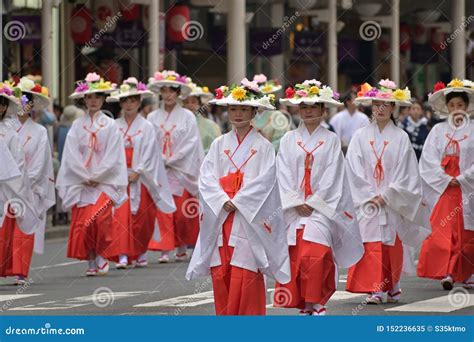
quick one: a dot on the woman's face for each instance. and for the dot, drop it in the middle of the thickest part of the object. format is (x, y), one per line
(169, 96)
(94, 102)
(130, 105)
(456, 104)
(192, 103)
(3, 108)
(382, 111)
(240, 116)
(312, 113)
(416, 112)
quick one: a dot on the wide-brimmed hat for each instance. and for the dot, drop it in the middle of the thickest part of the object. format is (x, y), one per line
(245, 94)
(437, 99)
(311, 92)
(130, 87)
(202, 92)
(265, 85)
(41, 99)
(93, 83)
(8, 91)
(169, 78)
(387, 91)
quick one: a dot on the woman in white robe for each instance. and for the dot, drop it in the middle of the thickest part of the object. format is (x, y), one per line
(322, 228)
(92, 177)
(387, 194)
(242, 234)
(19, 219)
(179, 140)
(447, 171)
(148, 189)
(39, 166)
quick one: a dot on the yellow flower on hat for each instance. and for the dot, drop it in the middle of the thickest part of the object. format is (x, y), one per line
(267, 88)
(124, 88)
(313, 90)
(171, 78)
(239, 93)
(271, 96)
(400, 95)
(456, 83)
(45, 91)
(103, 85)
(205, 89)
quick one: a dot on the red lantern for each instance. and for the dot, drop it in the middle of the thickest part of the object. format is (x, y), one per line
(405, 38)
(130, 12)
(176, 18)
(81, 25)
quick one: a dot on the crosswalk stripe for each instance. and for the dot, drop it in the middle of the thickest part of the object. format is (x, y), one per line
(448, 303)
(337, 296)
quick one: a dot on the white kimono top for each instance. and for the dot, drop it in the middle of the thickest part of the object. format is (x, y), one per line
(93, 151)
(39, 166)
(333, 223)
(384, 163)
(15, 189)
(435, 180)
(181, 147)
(148, 163)
(346, 124)
(258, 231)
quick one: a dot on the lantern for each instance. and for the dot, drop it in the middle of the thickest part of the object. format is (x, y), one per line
(81, 25)
(176, 18)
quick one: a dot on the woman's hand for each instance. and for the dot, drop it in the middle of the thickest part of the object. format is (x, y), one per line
(454, 182)
(133, 177)
(91, 183)
(229, 207)
(304, 210)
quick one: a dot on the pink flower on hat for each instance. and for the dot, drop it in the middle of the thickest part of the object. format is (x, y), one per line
(131, 80)
(81, 87)
(260, 78)
(387, 84)
(250, 85)
(92, 77)
(158, 76)
(301, 93)
(141, 86)
(384, 95)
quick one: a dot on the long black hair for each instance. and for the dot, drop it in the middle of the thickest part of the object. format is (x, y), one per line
(4, 102)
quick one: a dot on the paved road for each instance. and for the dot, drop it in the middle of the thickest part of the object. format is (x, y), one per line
(57, 287)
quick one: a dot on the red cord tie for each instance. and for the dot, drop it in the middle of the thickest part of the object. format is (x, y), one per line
(454, 144)
(167, 143)
(93, 144)
(308, 165)
(239, 176)
(379, 173)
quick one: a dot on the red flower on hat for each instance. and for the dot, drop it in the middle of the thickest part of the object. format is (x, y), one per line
(439, 86)
(36, 88)
(219, 94)
(290, 93)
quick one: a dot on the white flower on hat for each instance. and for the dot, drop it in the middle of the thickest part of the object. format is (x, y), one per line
(326, 92)
(124, 88)
(26, 84)
(265, 101)
(468, 83)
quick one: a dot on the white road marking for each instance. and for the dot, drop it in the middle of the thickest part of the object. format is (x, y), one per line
(6, 298)
(182, 301)
(337, 296)
(58, 265)
(438, 304)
